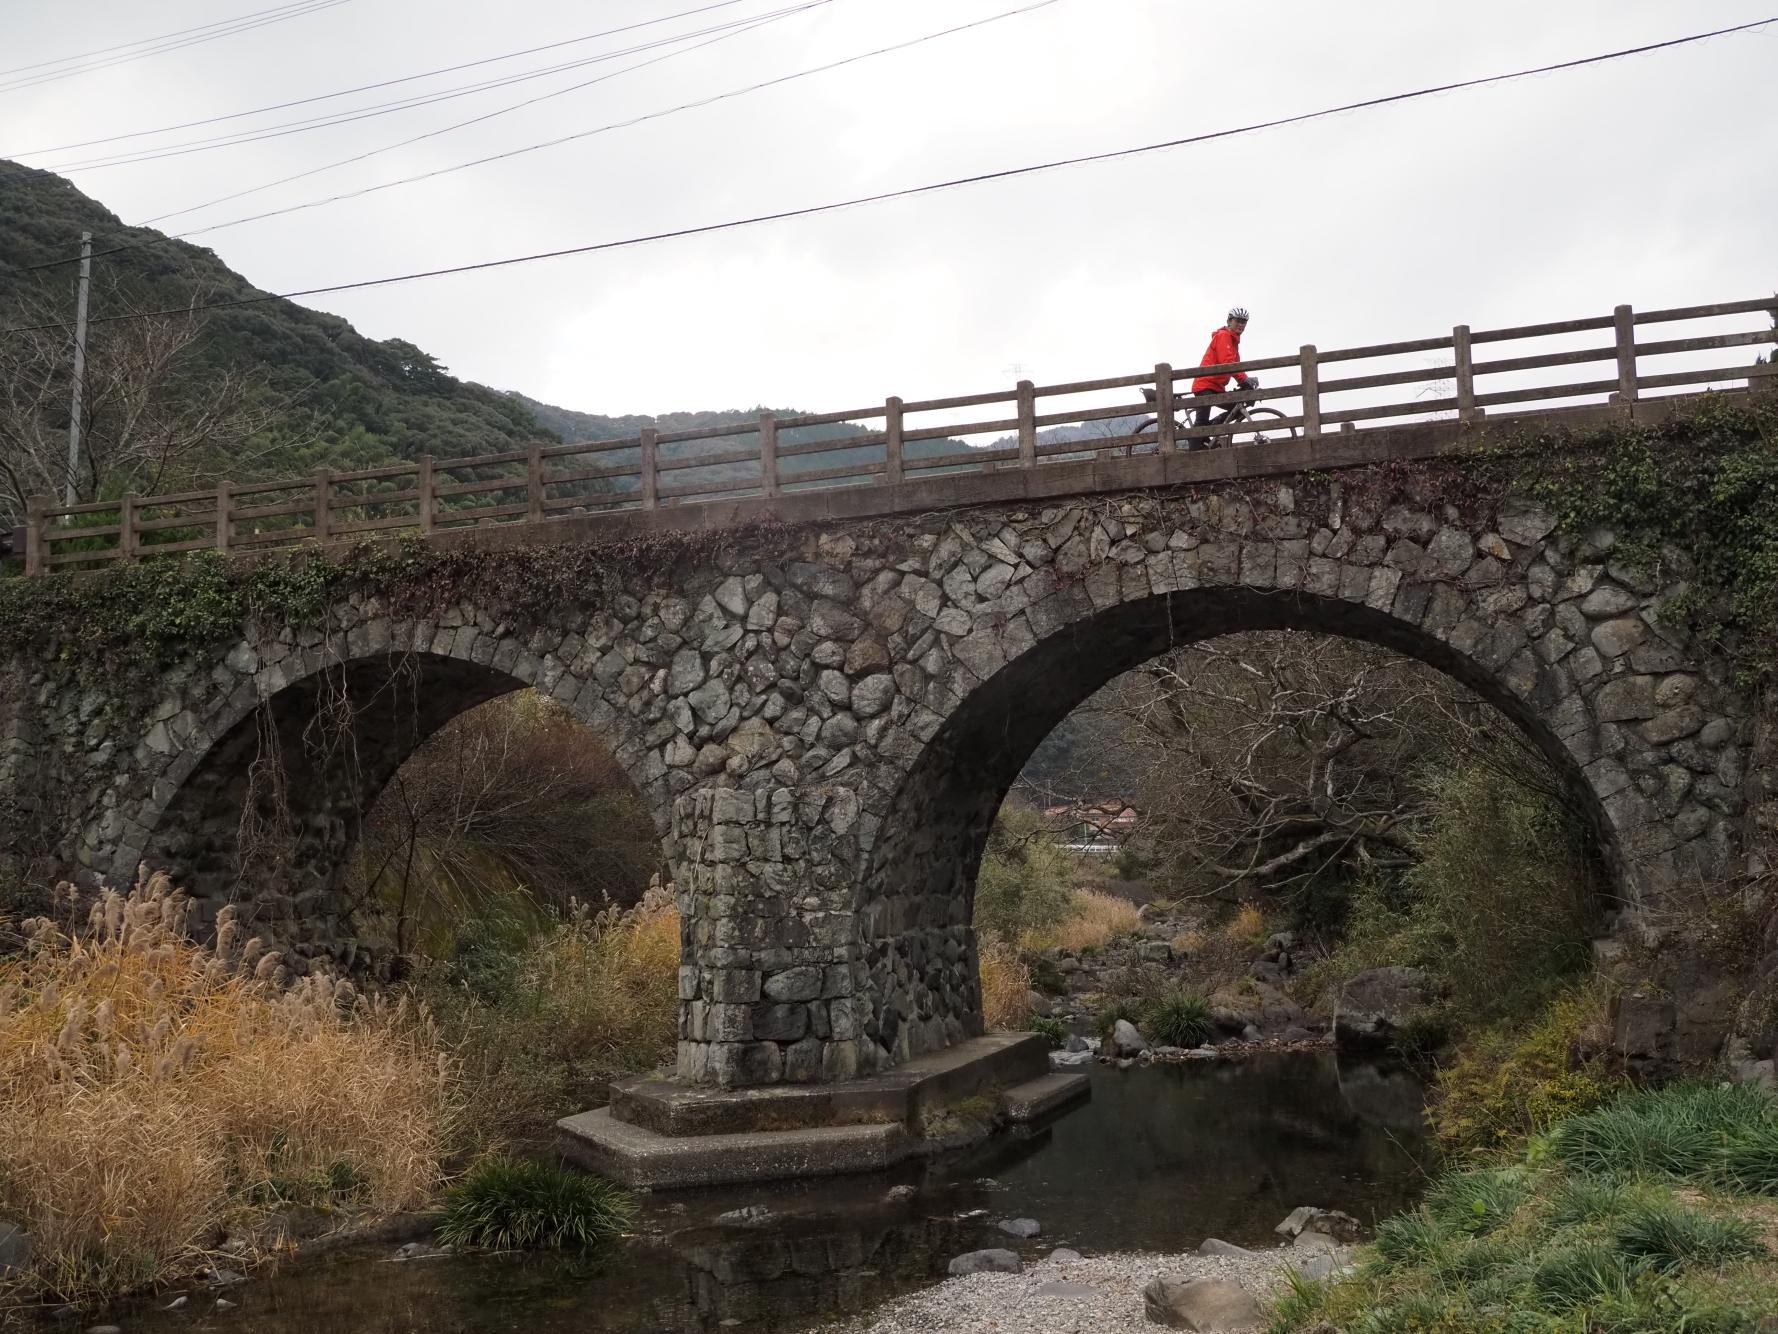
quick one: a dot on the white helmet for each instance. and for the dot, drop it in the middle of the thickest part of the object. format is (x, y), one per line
(1238, 313)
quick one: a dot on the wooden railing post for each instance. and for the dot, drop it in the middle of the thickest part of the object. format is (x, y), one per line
(225, 493)
(1164, 425)
(650, 475)
(768, 454)
(1027, 424)
(1626, 354)
(34, 508)
(892, 442)
(428, 498)
(1463, 372)
(534, 485)
(126, 530)
(323, 505)
(1311, 378)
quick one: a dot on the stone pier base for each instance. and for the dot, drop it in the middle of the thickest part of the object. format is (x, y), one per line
(658, 1134)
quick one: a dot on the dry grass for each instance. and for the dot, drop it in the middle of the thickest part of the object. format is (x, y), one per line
(153, 1092)
(1094, 918)
(592, 999)
(1248, 926)
(1006, 988)
(1190, 942)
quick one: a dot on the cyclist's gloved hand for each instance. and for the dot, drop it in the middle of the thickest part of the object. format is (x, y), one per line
(1252, 382)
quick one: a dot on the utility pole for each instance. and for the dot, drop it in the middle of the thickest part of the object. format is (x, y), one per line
(86, 275)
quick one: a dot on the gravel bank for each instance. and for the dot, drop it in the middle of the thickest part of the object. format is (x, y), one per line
(1098, 1295)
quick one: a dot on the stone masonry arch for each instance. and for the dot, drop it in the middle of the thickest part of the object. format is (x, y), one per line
(1567, 645)
(297, 734)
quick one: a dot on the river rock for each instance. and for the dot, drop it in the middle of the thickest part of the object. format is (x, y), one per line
(1127, 1039)
(1203, 1304)
(1023, 1228)
(897, 1194)
(1062, 1255)
(1077, 1043)
(1256, 1005)
(1217, 1246)
(992, 1261)
(1377, 1003)
(1068, 1060)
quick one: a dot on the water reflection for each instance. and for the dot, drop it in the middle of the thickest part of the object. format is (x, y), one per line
(1158, 1160)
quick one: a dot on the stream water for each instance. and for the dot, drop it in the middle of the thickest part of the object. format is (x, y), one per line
(1159, 1159)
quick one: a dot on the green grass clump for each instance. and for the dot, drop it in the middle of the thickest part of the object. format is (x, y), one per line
(1178, 1019)
(1053, 1030)
(523, 1204)
(1409, 1239)
(1669, 1237)
(1720, 1135)
(1476, 1202)
(1634, 1218)
(1124, 1008)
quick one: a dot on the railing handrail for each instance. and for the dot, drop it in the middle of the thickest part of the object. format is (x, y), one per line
(330, 506)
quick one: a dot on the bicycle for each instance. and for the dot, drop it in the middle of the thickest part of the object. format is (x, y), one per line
(1239, 414)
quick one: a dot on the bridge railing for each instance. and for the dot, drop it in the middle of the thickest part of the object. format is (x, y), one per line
(1463, 376)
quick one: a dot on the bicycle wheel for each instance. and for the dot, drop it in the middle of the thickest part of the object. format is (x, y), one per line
(1255, 428)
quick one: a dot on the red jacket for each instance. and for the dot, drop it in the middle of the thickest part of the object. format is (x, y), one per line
(1225, 347)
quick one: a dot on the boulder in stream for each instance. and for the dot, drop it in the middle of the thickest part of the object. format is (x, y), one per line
(1202, 1304)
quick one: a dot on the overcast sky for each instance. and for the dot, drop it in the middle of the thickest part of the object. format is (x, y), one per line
(1652, 180)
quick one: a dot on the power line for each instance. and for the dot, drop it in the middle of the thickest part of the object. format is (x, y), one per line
(733, 30)
(531, 148)
(155, 46)
(347, 117)
(371, 87)
(936, 186)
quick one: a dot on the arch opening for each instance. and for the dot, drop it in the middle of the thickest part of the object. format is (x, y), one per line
(356, 808)
(917, 895)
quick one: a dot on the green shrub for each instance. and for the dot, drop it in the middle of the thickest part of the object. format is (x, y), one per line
(1505, 1084)
(1053, 1029)
(524, 1204)
(1178, 1019)
(1670, 1237)
(1025, 879)
(1045, 976)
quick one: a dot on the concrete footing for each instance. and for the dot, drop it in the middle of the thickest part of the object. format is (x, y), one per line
(659, 1135)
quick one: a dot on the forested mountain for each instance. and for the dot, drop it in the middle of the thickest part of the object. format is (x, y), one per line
(299, 389)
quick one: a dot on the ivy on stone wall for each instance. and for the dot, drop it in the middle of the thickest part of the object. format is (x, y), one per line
(117, 630)
(1696, 498)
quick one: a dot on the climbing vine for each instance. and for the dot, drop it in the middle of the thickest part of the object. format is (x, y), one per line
(120, 627)
(1694, 498)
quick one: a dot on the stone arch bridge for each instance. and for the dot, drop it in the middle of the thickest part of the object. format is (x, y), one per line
(824, 695)
(824, 718)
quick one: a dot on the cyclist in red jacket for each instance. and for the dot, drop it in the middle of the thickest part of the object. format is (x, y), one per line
(1225, 347)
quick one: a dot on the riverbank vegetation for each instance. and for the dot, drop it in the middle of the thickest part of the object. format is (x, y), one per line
(161, 1099)
(157, 1096)
(1657, 1211)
